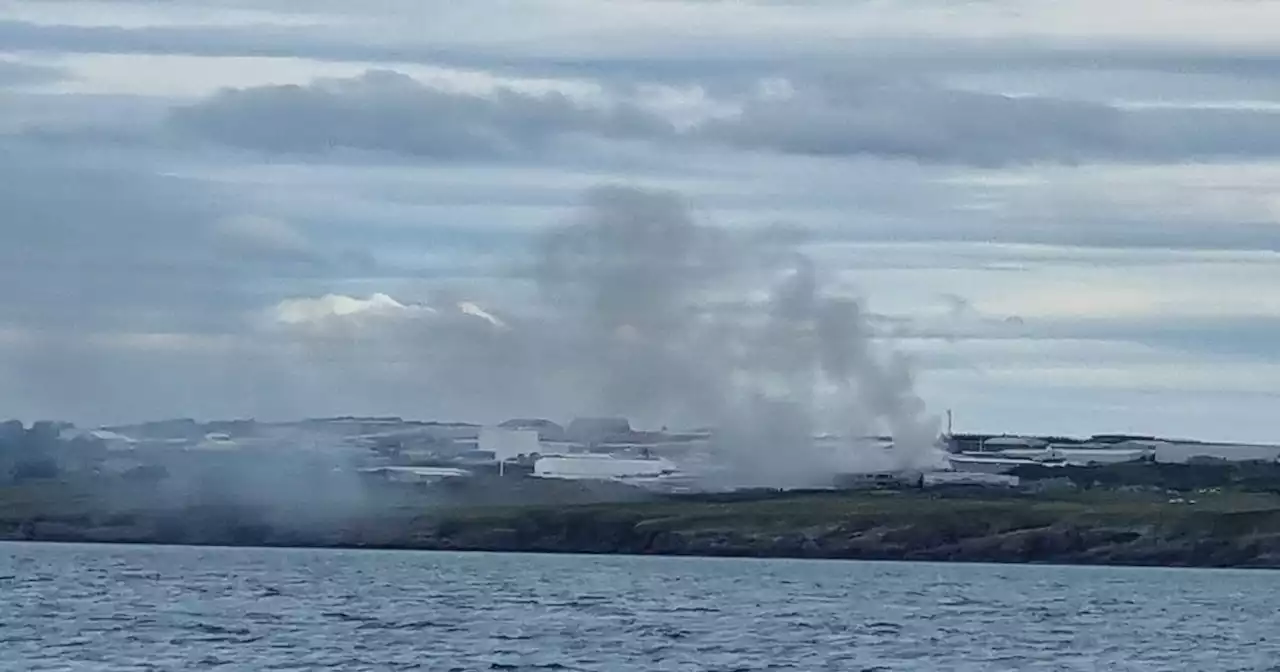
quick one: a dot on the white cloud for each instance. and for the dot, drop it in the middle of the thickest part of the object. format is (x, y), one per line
(469, 308)
(325, 308)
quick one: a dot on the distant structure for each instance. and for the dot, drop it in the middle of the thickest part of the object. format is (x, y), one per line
(591, 431)
(547, 430)
(599, 467)
(975, 478)
(1184, 453)
(402, 474)
(996, 443)
(509, 444)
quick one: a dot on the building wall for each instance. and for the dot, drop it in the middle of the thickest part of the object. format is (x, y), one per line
(599, 467)
(1085, 457)
(1180, 453)
(937, 478)
(984, 466)
(508, 444)
(1013, 442)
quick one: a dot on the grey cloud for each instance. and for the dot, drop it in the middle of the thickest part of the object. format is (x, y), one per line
(99, 253)
(930, 123)
(264, 238)
(1239, 338)
(88, 241)
(15, 73)
(96, 237)
(692, 59)
(1097, 227)
(390, 112)
(922, 122)
(92, 244)
(69, 120)
(1246, 338)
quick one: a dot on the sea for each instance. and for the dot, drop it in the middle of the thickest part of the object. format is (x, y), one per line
(90, 607)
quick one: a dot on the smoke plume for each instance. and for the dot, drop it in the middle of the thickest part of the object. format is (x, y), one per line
(638, 309)
(642, 311)
(638, 286)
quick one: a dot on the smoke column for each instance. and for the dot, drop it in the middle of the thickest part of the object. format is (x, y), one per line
(637, 309)
(638, 288)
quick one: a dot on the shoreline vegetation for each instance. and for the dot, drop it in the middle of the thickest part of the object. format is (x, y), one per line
(1206, 528)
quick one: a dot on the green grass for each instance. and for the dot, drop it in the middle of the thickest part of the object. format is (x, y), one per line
(1228, 527)
(862, 510)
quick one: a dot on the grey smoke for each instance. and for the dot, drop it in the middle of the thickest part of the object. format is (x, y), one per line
(626, 318)
(643, 268)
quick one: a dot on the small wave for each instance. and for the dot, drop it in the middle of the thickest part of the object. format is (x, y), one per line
(540, 666)
(377, 624)
(350, 618)
(214, 629)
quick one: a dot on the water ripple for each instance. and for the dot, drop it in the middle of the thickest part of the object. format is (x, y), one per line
(72, 607)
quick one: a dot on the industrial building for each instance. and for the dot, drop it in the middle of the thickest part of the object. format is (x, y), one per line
(1184, 453)
(416, 474)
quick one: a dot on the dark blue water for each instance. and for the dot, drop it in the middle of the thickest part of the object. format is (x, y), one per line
(153, 608)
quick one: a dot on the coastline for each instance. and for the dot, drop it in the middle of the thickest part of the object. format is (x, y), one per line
(1229, 529)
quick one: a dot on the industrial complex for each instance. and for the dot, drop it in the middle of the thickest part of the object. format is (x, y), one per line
(398, 451)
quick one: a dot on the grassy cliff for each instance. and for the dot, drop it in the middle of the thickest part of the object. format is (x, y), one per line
(1097, 527)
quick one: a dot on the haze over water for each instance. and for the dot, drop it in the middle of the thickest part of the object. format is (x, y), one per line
(75, 607)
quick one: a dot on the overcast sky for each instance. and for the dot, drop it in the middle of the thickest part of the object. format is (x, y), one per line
(1064, 213)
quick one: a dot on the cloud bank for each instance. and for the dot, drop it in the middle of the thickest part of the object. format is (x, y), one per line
(386, 111)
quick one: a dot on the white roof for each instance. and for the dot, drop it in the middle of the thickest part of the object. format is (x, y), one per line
(600, 466)
(108, 435)
(1014, 441)
(418, 471)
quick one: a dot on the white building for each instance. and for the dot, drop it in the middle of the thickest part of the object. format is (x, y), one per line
(937, 478)
(994, 464)
(1013, 443)
(602, 467)
(215, 441)
(417, 474)
(1085, 457)
(1082, 455)
(509, 444)
(113, 441)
